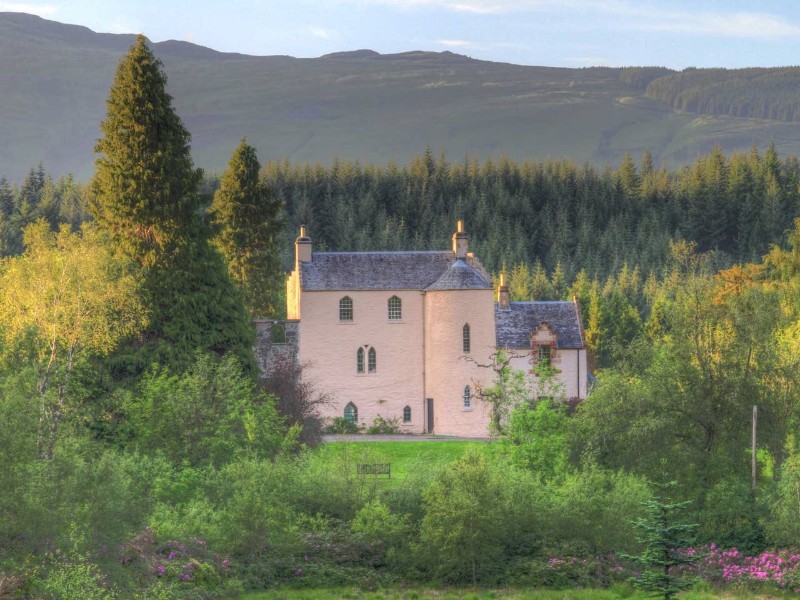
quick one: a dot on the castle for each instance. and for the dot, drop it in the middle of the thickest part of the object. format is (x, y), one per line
(407, 335)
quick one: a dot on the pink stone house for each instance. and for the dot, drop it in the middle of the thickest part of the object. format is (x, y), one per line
(401, 335)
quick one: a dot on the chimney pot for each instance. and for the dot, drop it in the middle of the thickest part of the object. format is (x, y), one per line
(302, 247)
(503, 296)
(460, 241)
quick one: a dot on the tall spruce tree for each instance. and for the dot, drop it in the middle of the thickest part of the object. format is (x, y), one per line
(248, 221)
(666, 547)
(146, 194)
(145, 184)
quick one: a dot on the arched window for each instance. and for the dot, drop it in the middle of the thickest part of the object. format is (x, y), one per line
(372, 358)
(407, 414)
(395, 309)
(467, 398)
(465, 341)
(351, 413)
(360, 360)
(346, 309)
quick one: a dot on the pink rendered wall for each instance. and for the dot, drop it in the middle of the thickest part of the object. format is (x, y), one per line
(447, 369)
(328, 347)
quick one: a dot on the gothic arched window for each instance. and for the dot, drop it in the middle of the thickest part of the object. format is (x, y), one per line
(467, 398)
(372, 360)
(360, 360)
(407, 414)
(465, 339)
(351, 413)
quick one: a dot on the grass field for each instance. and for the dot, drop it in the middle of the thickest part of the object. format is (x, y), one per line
(504, 594)
(404, 457)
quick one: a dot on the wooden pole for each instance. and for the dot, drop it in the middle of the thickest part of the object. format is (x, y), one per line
(753, 465)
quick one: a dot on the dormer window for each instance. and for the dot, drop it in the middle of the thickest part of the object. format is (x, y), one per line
(544, 356)
(395, 309)
(346, 309)
(544, 346)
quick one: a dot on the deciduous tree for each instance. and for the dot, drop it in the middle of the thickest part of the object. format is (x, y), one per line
(68, 297)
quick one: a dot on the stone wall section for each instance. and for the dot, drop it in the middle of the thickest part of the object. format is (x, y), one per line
(271, 347)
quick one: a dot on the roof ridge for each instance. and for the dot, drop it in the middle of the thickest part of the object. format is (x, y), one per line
(362, 252)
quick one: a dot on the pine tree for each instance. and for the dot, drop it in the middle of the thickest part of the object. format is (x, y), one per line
(7, 201)
(145, 184)
(540, 284)
(248, 225)
(558, 282)
(665, 545)
(520, 285)
(146, 195)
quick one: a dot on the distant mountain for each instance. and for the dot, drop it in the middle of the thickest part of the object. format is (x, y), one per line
(366, 106)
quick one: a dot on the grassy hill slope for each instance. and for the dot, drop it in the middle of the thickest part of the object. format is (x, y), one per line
(359, 105)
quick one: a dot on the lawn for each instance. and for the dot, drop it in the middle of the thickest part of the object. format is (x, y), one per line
(469, 594)
(404, 457)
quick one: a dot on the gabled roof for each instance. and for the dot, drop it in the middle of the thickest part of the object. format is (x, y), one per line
(329, 271)
(460, 276)
(514, 325)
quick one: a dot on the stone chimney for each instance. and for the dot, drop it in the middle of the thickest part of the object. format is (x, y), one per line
(503, 297)
(460, 240)
(302, 247)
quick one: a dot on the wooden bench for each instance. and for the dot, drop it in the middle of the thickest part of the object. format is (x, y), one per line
(375, 469)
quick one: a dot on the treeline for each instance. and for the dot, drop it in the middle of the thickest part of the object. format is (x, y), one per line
(758, 93)
(39, 196)
(555, 213)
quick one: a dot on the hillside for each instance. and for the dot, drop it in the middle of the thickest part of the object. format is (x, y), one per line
(357, 105)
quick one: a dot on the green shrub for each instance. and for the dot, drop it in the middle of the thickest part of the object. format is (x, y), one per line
(462, 533)
(211, 414)
(69, 575)
(340, 426)
(384, 426)
(177, 569)
(568, 570)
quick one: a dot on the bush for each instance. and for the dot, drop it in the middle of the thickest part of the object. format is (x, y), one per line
(69, 575)
(340, 425)
(177, 569)
(580, 570)
(384, 426)
(462, 534)
(211, 414)
(298, 401)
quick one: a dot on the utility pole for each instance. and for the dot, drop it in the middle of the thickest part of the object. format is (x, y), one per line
(753, 464)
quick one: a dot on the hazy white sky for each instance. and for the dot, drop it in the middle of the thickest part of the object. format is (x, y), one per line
(677, 33)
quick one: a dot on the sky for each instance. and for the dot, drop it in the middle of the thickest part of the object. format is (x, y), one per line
(566, 33)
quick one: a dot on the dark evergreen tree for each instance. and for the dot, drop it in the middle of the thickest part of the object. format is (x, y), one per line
(146, 195)
(666, 543)
(7, 200)
(146, 187)
(248, 224)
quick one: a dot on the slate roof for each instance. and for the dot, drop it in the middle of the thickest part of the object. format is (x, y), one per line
(460, 276)
(329, 271)
(513, 325)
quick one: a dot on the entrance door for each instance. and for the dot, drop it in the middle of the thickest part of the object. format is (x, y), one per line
(429, 410)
